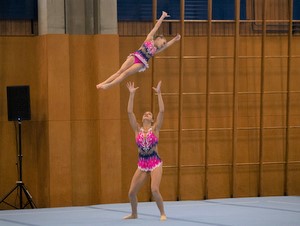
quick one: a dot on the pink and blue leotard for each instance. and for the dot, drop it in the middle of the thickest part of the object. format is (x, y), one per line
(143, 55)
(148, 157)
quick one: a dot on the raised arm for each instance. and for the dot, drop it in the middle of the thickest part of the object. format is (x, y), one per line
(131, 116)
(157, 25)
(161, 107)
(169, 43)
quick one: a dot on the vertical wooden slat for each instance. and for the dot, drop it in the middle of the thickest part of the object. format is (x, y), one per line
(182, 4)
(154, 19)
(235, 94)
(290, 35)
(209, 14)
(262, 74)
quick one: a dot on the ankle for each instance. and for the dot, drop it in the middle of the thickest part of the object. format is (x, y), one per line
(163, 217)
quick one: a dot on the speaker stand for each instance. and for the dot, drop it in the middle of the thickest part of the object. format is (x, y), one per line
(20, 186)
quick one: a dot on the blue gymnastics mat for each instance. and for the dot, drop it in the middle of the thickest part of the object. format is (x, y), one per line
(264, 211)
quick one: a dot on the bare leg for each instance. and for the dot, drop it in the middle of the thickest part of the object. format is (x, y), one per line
(137, 181)
(156, 175)
(131, 70)
(127, 64)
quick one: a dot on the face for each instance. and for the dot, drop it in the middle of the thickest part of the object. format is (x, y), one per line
(148, 116)
(160, 42)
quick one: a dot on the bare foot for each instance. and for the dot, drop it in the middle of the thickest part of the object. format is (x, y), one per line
(163, 217)
(99, 86)
(104, 86)
(131, 216)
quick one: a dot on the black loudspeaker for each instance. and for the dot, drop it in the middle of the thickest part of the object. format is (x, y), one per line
(18, 103)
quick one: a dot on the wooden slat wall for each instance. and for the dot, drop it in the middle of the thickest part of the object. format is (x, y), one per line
(276, 10)
(78, 135)
(71, 120)
(79, 148)
(220, 118)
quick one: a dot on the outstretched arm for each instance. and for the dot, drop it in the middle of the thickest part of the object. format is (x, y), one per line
(157, 25)
(131, 116)
(161, 106)
(169, 43)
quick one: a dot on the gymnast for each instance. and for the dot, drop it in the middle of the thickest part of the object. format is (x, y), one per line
(138, 61)
(149, 162)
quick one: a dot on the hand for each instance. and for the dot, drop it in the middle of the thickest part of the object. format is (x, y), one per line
(178, 37)
(157, 89)
(131, 88)
(164, 14)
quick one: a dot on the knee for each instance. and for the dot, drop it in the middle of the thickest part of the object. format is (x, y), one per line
(131, 194)
(155, 191)
(123, 74)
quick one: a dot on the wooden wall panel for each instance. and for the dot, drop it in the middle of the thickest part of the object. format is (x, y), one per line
(248, 111)
(295, 51)
(107, 51)
(219, 182)
(247, 158)
(192, 181)
(274, 145)
(295, 71)
(58, 66)
(40, 95)
(193, 114)
(42, 197)
(85, 162)
(275, 9)
(273, 180)
(110, 161)
(83, 92)
(73, 123)
(193, 148)
(220, 111)
(60, 163)
(293, 179)
(222, 46)
(247, 147)
(168, 151)
(249, 75)
(15, 71)
(58, 77)
(274, 110)
(8, 159)
(168, 184)
(246, 184)
(194, 80)
(221, 75)
(276, 46)
(249, 46)
(220, 147)
(275, 74)
(198, 48)
(64, 109)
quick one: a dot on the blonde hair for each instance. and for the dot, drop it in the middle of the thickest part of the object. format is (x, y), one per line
(159, 36)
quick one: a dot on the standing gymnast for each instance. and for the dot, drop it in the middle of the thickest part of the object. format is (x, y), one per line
(138, 61)
(149, 162)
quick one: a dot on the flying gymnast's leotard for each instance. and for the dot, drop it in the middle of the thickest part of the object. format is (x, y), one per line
(143, 55)
(148, 156)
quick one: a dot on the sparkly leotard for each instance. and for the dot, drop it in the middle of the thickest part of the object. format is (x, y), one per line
(144, 54)
(148, 157)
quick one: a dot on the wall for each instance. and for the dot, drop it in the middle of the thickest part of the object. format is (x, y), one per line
(71, 120)
(79, 148)
(201, 157)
